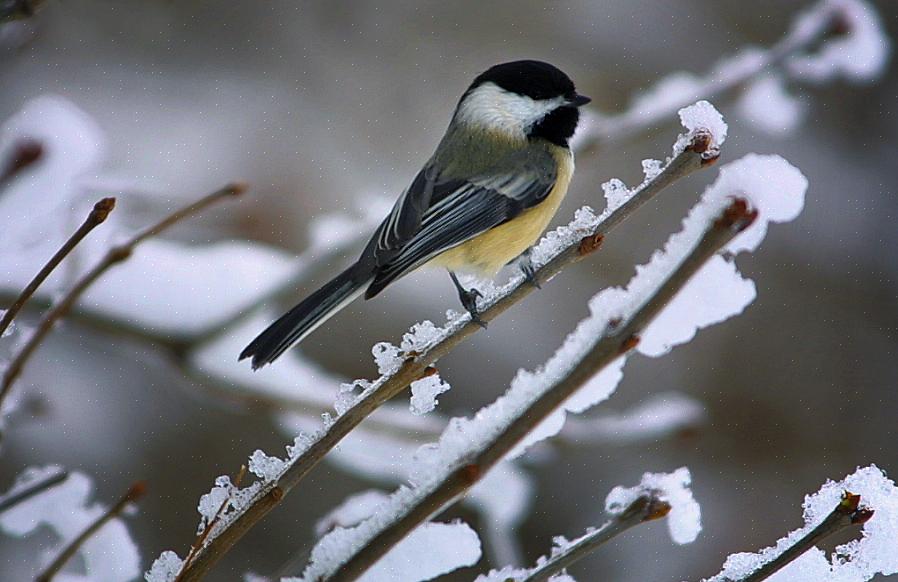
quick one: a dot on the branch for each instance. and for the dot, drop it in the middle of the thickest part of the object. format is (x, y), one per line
(617, 341)
(134, 493)
(14, 498)
(24, 153)
(113, 256)
(643, 116)
(844, 515)
(96, 217)
(695, 155)
(645, 508)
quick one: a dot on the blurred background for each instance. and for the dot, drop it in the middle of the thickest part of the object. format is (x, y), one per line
(322, 106)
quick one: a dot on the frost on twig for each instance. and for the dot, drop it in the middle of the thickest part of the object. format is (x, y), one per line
(527, 412)
(427, 343)
(66, 511)
(831, 39)
(866, 497)
(658, 495)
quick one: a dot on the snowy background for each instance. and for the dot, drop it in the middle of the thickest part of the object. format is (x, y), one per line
(327, 107)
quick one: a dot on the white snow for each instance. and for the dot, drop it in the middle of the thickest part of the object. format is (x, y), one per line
(684, 520)
(65, 509)
(856, 561)
(354, 509)
(265, 467)
(657, 417)
(767, 105)
(425, 392)
(616, 193)
(702, 116)
(860, 55)
(165, 568)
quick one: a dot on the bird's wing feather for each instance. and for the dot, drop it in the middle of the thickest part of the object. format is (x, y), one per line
(459, 211)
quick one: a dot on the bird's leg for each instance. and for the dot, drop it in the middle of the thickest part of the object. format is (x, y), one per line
(526, 266)
(469, 300)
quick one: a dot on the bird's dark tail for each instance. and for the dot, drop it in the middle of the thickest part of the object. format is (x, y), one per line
(305, 317)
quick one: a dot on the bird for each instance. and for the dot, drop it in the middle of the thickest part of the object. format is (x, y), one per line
(481, 201)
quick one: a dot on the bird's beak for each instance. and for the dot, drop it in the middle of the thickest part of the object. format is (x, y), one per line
(579, 100)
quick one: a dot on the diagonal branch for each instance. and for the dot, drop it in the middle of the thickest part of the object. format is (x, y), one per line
(16, 497)
(645, 508)
(113, 256)
(619, 340)
(96, 217)
(134, 493)
(844, 515)
(720, 83)
(695, 155)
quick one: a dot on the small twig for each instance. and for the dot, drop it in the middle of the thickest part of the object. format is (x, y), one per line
(204, 535)
(113, 256)
(645, 508)
(638, 118)
(11, 500)
(415, 366)
(96, 217)
(25, 152)
(606, 349)
(135, 492)
(845, 514)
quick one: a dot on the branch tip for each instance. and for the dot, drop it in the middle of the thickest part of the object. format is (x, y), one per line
(138, 489)
(102, 209)
(236, 188)
(25, 153)
(657, 509)
(738, 216)
(429, 371)
(701, 141)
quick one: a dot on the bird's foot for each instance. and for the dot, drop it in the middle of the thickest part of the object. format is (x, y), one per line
(469, 299)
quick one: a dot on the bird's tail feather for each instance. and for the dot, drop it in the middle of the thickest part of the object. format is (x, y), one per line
(305, 317)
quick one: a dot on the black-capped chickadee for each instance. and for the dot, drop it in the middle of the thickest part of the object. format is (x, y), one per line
(484, 197)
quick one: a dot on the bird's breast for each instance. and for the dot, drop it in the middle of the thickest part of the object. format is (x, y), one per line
(487, 253)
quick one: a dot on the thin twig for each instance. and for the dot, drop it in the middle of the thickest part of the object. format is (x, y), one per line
(113, 256)
(638, 118)
(845, 514)
(96, 217)
(415, 366)
(201, 538)
(621, 339)
(134, 493)
(16, 497)
(645, 508)
(25, 153)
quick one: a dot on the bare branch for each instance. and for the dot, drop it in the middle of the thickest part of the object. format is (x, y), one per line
(14, 498)
(25, 153)
(645, 508)
(135, 492)
(616, 342)
(693, 157)
(847, 513)
(96, 217)
(115, 255)
(720, 83)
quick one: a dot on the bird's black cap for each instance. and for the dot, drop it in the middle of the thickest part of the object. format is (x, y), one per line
(535, 79)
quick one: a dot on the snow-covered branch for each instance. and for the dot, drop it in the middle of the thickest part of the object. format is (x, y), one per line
(835, 507)
(697, 148)
(832, 38)
(503, 428)
(135, 492)
(113, 256)
(656, 496)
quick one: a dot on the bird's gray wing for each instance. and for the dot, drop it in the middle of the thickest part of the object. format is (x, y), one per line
(460, 210)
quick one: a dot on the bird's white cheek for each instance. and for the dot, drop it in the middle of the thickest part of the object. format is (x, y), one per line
(492, 108)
